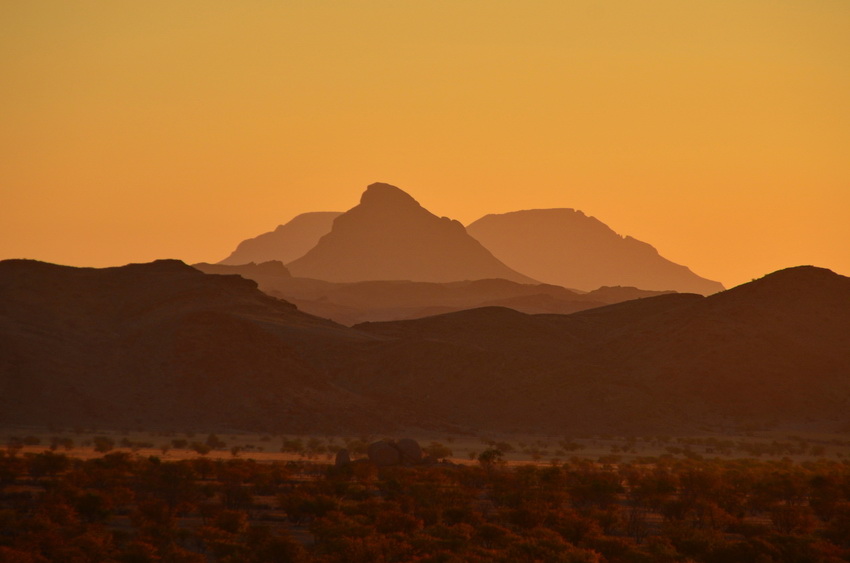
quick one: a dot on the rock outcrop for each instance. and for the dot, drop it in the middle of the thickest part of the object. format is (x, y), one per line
(342, 458)
(384, 454)
(411, 451)
(387, 453)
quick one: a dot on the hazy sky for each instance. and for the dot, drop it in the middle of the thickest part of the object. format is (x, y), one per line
(718, 131)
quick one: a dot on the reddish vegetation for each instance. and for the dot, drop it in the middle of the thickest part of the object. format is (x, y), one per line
(121, 508)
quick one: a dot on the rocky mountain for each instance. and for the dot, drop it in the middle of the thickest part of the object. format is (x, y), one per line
(164, 345)
(287, 242)
(389, 236)
(568, 248)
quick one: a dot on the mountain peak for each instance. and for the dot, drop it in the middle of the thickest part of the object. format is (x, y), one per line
(380, 193)
(389, 236)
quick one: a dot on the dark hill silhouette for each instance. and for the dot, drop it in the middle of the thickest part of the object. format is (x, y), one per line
(770, 352)
(287, 242)
(165, 345)
(352, 303)
(389, 236)
(568, 248)
(162, 345)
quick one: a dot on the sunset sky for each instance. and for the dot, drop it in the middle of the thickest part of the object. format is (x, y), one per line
(716, 130)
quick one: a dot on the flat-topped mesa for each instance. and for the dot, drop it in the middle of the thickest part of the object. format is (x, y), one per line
(390, 236)
(571, 249)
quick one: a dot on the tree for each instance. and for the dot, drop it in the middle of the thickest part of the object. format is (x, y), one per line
(215, 443)
(490, 457)
(437, 450)
(102, 444)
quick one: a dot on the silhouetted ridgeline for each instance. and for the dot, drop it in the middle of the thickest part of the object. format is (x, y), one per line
(163, 344)
(389, 236)
(568, 248)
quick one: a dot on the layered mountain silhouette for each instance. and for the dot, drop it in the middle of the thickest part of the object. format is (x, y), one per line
(271, 274)
(352, 303)
(287, 242)
(772, 352)
(568, 248)
(389, 236)
(165, 345)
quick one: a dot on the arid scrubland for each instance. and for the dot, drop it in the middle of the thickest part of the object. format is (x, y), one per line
(138, 496)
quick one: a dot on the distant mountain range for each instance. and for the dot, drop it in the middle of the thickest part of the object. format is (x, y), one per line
(352, 303)
(389, 236)
(164, 345)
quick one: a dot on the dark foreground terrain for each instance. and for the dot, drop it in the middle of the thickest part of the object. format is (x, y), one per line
(125, 508)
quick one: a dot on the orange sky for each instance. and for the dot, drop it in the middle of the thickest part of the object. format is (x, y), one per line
(716, 130)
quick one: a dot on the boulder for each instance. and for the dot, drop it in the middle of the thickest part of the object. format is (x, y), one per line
(384, 454)
(342, 458)
(411, 452)
(430, 460)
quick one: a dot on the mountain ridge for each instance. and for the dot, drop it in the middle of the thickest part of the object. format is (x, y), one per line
(165, 345)
(566, 247)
